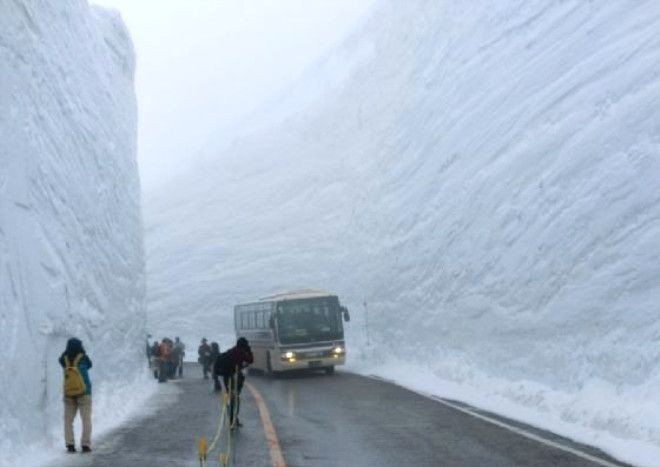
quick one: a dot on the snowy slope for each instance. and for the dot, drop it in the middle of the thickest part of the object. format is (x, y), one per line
(71, 253)
(486, 177)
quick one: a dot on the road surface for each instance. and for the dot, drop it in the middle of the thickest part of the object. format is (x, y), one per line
(320, 420)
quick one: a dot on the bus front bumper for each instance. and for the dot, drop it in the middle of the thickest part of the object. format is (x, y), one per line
(310, 363)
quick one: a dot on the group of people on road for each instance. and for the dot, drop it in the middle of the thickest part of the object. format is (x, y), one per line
(228, 367)
(166, 358)
(166, 361)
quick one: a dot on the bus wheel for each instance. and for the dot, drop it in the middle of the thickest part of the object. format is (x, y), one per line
(329, 370)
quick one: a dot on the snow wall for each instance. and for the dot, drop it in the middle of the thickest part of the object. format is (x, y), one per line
(71, 252)
(486, 177)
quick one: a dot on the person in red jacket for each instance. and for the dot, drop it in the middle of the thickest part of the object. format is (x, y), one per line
(165, 357)
(230, 365)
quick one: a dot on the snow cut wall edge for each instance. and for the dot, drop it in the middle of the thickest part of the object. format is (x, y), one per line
(71, 251)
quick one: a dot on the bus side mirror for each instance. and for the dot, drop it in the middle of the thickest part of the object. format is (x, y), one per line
(271, 322)
(346, 314)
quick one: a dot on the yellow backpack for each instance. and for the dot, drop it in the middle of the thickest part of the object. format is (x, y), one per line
(74, 384)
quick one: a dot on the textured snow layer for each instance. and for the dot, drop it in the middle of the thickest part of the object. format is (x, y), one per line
(71, 253)
(485, 176)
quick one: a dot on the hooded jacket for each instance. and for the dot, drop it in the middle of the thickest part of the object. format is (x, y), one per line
(73, 348)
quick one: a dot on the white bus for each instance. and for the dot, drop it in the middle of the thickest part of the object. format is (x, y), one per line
(295, 330)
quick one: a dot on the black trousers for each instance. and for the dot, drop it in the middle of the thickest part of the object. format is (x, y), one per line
(234, 382)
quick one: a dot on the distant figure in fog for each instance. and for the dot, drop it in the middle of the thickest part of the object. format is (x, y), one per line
(179, 352)
(230, 365)
(204, 357)
(77, 393)
(165, 359)
(215, 352)
(148, 350)
(155, 349)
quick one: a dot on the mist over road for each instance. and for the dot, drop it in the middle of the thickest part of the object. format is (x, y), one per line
(320, 420)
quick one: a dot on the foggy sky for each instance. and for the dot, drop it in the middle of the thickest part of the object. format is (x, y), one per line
(203, 64)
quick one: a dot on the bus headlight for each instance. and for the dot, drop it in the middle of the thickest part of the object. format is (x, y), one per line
(338, 350)
(288, 355)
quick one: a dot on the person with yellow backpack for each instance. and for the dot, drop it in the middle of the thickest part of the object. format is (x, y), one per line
(77, 393)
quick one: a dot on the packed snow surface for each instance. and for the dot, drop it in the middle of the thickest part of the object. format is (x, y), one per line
(485, 176)
(71, 254)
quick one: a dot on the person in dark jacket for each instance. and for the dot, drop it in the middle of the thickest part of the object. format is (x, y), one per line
(148, 350)
(215, 353)
(75, 356)
(155, 350)
(230, 365)
(179, 352)
(204, 357)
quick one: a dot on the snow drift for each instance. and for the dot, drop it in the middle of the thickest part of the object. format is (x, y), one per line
(485, 176)
(71, 254)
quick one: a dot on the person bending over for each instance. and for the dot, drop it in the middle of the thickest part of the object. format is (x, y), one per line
(230, 365)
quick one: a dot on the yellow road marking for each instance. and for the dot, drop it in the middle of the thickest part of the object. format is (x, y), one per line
(276, 456)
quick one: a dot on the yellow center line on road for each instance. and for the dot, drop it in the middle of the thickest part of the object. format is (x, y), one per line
(276, 456)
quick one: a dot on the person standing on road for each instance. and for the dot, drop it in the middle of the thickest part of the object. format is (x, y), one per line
(204, 357)
(148, 349)
(77, 393)
(165, 358)
(155, 349)
(215, 353)
(230, 365)
(179, 352)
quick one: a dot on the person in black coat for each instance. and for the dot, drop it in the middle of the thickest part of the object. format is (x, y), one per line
(204, 357)
(230, 365)
(215, 353)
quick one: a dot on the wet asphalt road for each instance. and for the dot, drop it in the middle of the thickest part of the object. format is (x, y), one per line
(179, 414)
(338, 420)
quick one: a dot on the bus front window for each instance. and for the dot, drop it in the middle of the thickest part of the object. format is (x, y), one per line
(309, 321)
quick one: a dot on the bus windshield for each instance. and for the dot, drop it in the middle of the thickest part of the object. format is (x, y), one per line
(310, 320)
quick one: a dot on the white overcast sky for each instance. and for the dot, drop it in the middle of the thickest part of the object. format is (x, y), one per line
(202, 64)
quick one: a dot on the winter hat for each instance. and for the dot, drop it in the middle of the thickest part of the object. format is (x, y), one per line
(242, 342)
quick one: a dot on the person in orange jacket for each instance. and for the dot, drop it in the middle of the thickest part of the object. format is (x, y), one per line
(165, 358)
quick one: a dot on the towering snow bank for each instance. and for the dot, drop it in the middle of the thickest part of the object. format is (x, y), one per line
(487, 178)
(71, 255)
